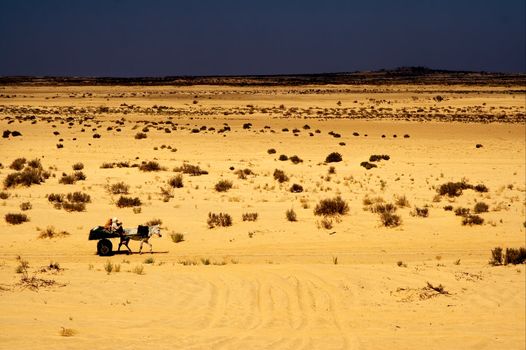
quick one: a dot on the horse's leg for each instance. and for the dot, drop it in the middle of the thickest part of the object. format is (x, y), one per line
(120, 243)
(127, 246)
(151, 247)
(140, 248)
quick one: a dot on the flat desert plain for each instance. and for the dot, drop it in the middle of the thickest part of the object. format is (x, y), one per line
(394, 268)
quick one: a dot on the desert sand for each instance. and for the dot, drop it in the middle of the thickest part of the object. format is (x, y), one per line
(269, 283)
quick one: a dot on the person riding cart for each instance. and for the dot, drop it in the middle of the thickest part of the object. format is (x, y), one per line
(114, 225)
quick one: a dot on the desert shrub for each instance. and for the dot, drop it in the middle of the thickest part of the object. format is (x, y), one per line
(326, 223)
(480, 188)
(250, 216)
(124, 202)
(515, 256)
(291, 215)
(295, 188)
(107, 165)
(96, 136)
(283, 157)
(480, 207)
(331, 206)
(25, 206)
(176, 181)
(221, 220)
(16, 218)
(140, 136)
(448, 208)
(333, 157)
(332, 170)
(496, 256)
(18, 164)
(453, 189)
(55, 197)
(150, 166)
(380, 208)
(223, 185)
(119, 188)
(243, 173)
(247, 125)
(421, 212)
(51, 232)
(4, 195)
(402, 201)
(73, 206)
(368, 165)
(177, 237)
(193, 170)
(280, 176)
(271, 151)
(154, 222)
(295, 159)
(35, 164)
(78, 197)
(472, 220)
(462, 211)
(26, 177)
(78, 166)
(138, 269)
(67, 179)
(378, 157)
(390, 219)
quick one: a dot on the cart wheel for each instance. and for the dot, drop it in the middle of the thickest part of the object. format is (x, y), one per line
(104, 247)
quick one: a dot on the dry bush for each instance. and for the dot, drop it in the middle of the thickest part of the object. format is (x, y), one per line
(420, 212)
(223, 185)
(331, 206)
(177, 237)
(448, 207)
(69, 206)
(271, 151)
(150, 166)
(472, 220)
(67, 332)
(378, 157)
(462, 211)
(480, 188)
(389, 219)
(18, 164)
(220, 220)
(16, 218)
(4, 195)
(401, 201)
(50, 232)
(176, 181)
(25, 206)
(333, 157)
(496, 256)
(368, 165)
(481, 207)
(78, 197)
(250, 216)
(515, 256)
(140, 136)
(193, 170)
(295, 188)
(243, 173)
(154, 222)
(291, 215)
(27, 177)
(283, 157)
(295, 159)
(280, 176)
(118, 188)
(125, 202)
(78, 166)
(453, 189)
(326, 223)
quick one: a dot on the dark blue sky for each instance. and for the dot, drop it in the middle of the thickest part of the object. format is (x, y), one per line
(207, 37)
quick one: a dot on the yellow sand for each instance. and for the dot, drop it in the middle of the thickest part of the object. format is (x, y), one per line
(271, 284)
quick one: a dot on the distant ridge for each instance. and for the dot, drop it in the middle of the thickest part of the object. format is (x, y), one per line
(402, 75)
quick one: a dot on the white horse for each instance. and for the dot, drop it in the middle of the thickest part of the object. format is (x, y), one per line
(141, 233)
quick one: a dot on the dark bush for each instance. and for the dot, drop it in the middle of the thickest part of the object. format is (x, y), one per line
(295, 188)
(448, 208)
(55, 197)
(390, 219)
(496, 256)
(6, 133)
(368, 165)
(18, 164)
(296, 159)
(331, 206)
(26, 177)
(69, 206)
(283, 157)
(243, 173)
(333, 157)
(128, 202)
(481, 207)
(280, 176)
(150, 166)
(4, 195)
(472, 220)
(221, 219)
(291, 215)
(223, 185)
(250, 216)
(378, 157)
(140, 136)
(25, 206)
(67, 179)
(96, 136)
(515, 256)
(35, 164)
(190, 169)
(480, 188)
(119, 188)
(16, 218)
(247, 125)
(271, 151)
(78, 166)
(421, 212)
(453, 189)
(78, 197)
(462, 211)
(176, 181)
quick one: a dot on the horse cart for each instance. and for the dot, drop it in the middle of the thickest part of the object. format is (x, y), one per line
(103, 236)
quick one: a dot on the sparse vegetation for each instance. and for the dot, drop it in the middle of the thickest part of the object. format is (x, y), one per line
(401, 201)
(291, 215)
(368, 165)
(78, 166)
(480, 207)
(176, 181)
(140, 136)
(124, 202)
(16, 218)
(333, 157)
(50, 232)
(420, 212)
(118, 188)
(295, 188)
(378, 157)
(472, 220)
(223, 185)
(296, 159)
(331, 206)
(219, 220)
(280, 176)
(193, 170)
(250, 216)
(25, 206)
(4, 195)
(150, 166)
(177, 237)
